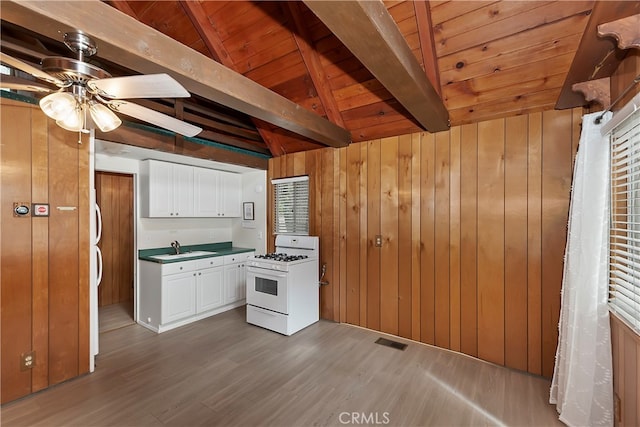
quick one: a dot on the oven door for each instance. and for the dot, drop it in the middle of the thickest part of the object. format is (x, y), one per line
(267, 289)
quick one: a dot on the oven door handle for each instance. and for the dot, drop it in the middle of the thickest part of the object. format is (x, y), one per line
(263, 272)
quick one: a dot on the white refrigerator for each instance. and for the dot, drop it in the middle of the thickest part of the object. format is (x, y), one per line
(95, 265)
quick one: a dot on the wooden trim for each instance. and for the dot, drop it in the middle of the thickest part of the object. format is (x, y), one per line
(626, 31)
(156, 52)
(367, 29)
(84, 251)
(595, 90)
(40, 245)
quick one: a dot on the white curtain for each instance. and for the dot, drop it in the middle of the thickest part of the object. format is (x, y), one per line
(582, 386)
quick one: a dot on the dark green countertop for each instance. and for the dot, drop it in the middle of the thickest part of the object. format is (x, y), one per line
(220, 249)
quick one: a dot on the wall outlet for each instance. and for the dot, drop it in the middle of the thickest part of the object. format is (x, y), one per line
(379, 241)
(27, 360)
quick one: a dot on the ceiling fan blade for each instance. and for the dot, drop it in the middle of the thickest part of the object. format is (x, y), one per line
(143, 86)
(154, 117)
(16, 83)
(23, 66)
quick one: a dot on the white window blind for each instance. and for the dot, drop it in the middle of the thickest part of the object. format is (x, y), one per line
(624, 251)
(291, 205)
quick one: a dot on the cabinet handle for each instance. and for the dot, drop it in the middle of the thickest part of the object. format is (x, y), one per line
(194, 274)
(199, 274)
(180, 268)
(171, 214)
(177, 214)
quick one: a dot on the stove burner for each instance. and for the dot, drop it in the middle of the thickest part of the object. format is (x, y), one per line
(282, 257)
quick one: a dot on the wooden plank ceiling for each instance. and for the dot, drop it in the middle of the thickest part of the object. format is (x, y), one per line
(486, 59)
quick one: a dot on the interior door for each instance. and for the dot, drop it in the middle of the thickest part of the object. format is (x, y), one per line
(114, 195)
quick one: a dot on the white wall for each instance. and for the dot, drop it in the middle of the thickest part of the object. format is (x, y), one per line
(252, 234)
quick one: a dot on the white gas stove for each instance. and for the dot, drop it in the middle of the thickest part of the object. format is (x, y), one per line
(282, 287)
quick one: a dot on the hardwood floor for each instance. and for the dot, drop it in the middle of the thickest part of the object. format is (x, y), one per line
(223, 371)
(115, 316)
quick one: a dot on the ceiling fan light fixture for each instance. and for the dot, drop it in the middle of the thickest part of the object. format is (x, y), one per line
(58, 105)
(103, 117)
(74, 121)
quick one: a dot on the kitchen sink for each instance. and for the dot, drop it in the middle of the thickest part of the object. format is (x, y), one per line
(183, 255)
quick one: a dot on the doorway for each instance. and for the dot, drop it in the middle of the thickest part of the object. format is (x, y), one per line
(114, 196)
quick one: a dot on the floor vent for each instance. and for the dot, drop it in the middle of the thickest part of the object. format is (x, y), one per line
(393, 344)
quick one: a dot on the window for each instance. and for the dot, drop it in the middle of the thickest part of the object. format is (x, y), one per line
(624, 234)
(291, 205)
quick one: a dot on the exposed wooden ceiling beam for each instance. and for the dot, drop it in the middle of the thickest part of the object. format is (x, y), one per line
(124, 7)
(367, 29)
(596, 57)
(427, 44)
(212, 40)
(125, 41)
(293, 11)
(209, 36)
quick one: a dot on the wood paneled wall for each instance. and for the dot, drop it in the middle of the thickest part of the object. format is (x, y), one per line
(45, 260)
(625, 345)
(114, 194)
(473, 228)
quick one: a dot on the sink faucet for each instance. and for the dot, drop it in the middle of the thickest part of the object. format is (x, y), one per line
(176, 245)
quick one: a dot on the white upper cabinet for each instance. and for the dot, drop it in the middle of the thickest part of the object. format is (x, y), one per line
(167, 189)
(172, 190)
(218, 193)
(206, 184)
(230, 194)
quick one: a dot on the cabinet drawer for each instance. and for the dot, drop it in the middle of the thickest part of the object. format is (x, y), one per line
(209, 262)
(235, 258)
(178, 267)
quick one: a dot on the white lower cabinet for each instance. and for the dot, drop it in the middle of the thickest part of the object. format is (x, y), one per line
(209, 285)
(175, 294)
(178, 297)
(235, 277)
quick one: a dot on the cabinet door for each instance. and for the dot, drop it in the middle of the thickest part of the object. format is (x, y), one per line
(209, 289)
(230, 194)
(183, 190)
(160, 189)
(242, 282)
(234, 283)
(178, 296)
(231, 283)
(206, 198)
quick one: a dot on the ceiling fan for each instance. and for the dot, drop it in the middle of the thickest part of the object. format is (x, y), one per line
(88, 96)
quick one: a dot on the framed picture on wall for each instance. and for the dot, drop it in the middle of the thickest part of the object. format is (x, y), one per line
(247, 211)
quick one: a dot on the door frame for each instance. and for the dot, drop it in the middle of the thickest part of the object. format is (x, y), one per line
(127, 169)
